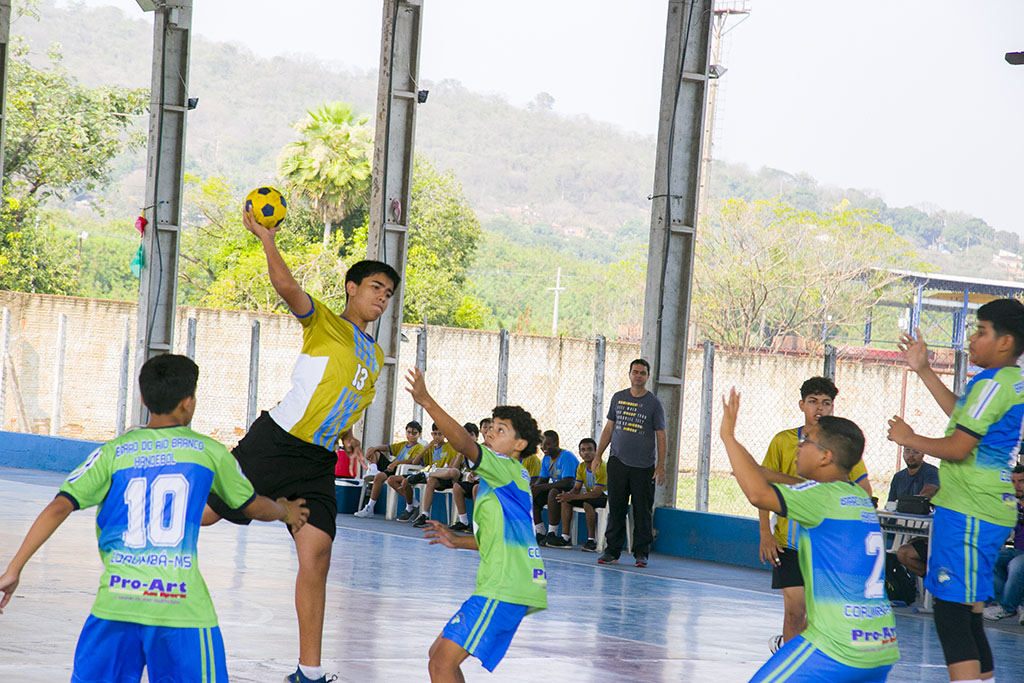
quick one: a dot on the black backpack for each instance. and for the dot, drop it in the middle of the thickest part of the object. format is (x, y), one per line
(900, 584)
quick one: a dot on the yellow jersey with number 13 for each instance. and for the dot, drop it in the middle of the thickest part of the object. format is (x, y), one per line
(333, 379)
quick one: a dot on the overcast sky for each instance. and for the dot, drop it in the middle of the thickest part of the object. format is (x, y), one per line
(909, 98)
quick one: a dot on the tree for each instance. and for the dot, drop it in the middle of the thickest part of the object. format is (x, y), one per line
(767, 266)
(61, 140)
(330, 163)
(443, 236)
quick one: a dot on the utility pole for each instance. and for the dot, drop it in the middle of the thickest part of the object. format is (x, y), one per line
(557, 288)
(723, 12)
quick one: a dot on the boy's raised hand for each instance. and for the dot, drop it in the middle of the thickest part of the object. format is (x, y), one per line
(251, 224)
(915, 350)
(417, 386)
(899, 431)
(730, 409)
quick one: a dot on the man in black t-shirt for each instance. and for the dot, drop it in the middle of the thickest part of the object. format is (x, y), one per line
(636, 431)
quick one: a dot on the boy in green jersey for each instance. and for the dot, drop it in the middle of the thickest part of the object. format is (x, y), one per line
(851, 633)
(152, 609)
(511, 581)
(975, 508)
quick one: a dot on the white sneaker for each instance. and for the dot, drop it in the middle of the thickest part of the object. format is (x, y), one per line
(776, 643)
(365, 512)
(996, 612)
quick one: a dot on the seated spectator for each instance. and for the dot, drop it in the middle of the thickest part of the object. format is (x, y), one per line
(917, 479)
(442, 475)
(1008, 574)
(386, 459)
(588, 493)
(557, 475)
(436, 451)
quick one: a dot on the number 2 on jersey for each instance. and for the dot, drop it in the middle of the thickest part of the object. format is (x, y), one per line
(874, 587)
(167, 495)
(360, 379)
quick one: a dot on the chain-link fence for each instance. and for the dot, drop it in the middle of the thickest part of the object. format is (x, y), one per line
(65, 365)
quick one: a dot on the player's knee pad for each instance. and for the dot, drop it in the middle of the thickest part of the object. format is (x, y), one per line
(953, 623)
(981, 641)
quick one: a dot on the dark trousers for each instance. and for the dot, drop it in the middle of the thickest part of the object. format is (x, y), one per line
(625, 482)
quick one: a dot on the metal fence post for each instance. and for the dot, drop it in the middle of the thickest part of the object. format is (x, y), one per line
(5, 342)
(254, 373)
(707, 389)
(421, 363)
(830, 362)
(58, 380)
(123, 379)
(959, 371)
(502, 368)
(190, 343)
(600, 346)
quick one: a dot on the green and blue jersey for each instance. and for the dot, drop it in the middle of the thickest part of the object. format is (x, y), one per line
(992, 411)
(842, 558)
(511, 569)
(151, 487)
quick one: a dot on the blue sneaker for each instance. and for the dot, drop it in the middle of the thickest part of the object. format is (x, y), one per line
(299, 677)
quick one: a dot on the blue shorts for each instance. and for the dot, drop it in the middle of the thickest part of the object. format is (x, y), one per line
(799, 661)
(484, 627)
(963, 553)
(116, 651)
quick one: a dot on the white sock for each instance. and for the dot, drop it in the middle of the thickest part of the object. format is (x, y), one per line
(426, 514)
(552, 528)
(539, 528)
(313, 672)
(409, 506)
(565, 537)
(464, 519)
(590, 538)
(371, 503)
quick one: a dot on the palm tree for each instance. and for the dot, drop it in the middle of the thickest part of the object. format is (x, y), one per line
(330, 163)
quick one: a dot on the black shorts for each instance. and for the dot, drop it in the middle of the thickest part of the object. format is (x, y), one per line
(787, 573)
(467, 487)
(594, 502)
(921, 547)
(443, 484)
(281, 465)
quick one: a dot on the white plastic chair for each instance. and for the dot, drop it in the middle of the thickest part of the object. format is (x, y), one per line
(393, 496)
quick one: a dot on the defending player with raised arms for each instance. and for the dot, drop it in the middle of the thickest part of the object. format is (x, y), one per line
(975, 507)
(152, 609)
(851, 633)
(288, 451)
(511, 581)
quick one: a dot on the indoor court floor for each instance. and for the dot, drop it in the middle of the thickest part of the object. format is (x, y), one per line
(390, 593)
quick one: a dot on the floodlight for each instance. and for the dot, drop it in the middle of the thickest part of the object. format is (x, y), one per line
(1015, 58)
(716, 71)
(147, 5)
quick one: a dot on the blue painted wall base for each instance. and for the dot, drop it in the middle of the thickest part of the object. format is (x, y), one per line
(37, 452)
(707, 536)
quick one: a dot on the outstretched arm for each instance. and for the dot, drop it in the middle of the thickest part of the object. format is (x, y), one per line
(915, 351)
(461, 440)
(52, 516)
(280, 276)
(956, 446)
(746, 470)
